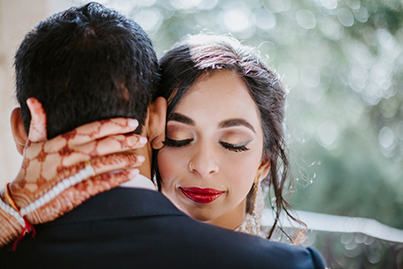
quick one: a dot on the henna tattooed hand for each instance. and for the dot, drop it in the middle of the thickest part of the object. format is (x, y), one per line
(104, 144)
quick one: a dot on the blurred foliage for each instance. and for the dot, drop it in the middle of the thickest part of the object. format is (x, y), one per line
(343, 62)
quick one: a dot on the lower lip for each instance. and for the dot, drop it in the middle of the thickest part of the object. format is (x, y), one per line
(203, 196)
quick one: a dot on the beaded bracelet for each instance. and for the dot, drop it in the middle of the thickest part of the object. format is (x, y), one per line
(13, 210)
(87, 172)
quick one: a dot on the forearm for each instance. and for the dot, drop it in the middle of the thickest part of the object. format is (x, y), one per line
(10, 228)
(13, 225)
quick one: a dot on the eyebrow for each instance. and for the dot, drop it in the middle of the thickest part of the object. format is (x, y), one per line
(236, 122)
(181, 118)
(224, 124)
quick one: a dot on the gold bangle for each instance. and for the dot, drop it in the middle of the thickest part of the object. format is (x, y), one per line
(8, 199)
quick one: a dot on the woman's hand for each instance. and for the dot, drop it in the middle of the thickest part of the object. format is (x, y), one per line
(104, 145)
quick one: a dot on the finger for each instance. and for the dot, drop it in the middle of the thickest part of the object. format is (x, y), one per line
(37, 128)
(106, 181)
(100, 165)
(103, 147)
(113, 144)
(100, 129)
(116, 162)
(75, 195)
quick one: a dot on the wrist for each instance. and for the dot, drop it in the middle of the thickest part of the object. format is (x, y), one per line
(10, 227)
(3, 196)
(12, 221)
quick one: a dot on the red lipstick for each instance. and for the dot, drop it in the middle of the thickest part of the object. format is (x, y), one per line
(199, 195)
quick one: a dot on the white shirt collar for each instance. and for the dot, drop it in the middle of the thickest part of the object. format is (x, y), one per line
(139, 181)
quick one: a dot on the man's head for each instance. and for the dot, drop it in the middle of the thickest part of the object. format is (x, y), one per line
(85, 64)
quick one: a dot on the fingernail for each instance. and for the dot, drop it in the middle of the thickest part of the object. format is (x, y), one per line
(141, 158)
(143, 140)
(133, 123)
(134, 172)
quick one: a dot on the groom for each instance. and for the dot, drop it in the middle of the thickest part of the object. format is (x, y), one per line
(92, 64)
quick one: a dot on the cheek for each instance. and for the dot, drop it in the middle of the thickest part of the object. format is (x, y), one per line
(241, 173)
(164, 167)
(169, 170)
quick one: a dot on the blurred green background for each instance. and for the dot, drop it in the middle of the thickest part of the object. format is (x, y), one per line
(343, 63)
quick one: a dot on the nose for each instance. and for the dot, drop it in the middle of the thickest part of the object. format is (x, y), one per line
(203, 161)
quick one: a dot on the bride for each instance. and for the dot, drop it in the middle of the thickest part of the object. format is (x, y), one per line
(224, 132)
(224, 136)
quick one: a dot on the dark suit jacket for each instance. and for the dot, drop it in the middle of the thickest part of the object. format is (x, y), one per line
(137, 228)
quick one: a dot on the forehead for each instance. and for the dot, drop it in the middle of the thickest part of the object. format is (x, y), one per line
(219, 96)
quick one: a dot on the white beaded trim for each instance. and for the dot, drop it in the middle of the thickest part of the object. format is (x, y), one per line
(61, 186)
(12, 211)
(56, 190)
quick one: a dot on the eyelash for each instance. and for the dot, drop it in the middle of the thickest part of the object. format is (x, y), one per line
(235, 148)
(181, 143)
(177, 143)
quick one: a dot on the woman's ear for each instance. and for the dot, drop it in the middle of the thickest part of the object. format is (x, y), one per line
(263, 169)
(157, 113)
(18, 130)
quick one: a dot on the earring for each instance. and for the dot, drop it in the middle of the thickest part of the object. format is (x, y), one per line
(251, 224)
(258, 205)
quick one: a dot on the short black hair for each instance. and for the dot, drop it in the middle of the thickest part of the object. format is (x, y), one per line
(86, 64)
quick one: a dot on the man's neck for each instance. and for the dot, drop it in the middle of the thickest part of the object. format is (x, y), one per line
(143, 180)
(145, 168)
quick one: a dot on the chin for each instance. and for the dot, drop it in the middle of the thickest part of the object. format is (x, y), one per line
(201, 217)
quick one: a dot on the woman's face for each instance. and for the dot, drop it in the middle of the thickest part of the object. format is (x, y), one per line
(213, 150)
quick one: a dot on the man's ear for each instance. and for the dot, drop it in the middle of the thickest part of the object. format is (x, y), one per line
(263, 169)
(156, 118)
(17, 127)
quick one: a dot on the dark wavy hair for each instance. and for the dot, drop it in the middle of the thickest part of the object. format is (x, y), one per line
(201, 54)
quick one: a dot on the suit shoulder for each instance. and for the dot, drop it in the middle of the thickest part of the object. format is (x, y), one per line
(255, 252)
(297, 257)
(317, 258)
(281, 255)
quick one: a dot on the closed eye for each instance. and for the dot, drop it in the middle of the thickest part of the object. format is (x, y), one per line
(177, 143)
(235, 147)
